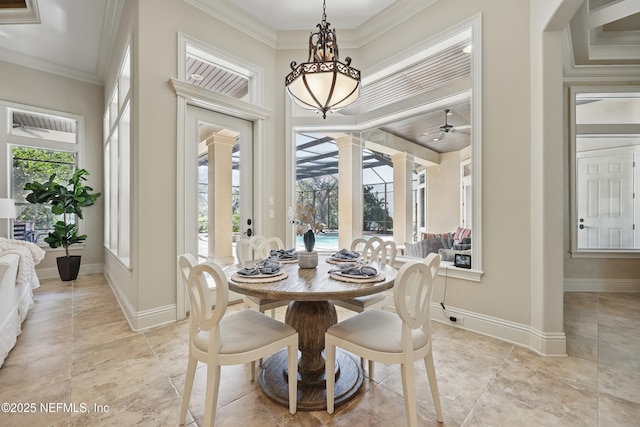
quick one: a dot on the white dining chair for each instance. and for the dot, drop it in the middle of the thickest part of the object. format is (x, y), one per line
(374, 249)
(217, 339)
(400, 338)
(259, 247)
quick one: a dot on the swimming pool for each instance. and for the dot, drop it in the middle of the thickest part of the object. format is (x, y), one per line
(324, 241)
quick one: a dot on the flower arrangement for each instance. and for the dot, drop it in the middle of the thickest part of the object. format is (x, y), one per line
(303, 218)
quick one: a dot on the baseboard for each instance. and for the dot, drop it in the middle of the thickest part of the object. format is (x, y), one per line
(85, 269)
(145, 319)
(601, 285)
(547, 344)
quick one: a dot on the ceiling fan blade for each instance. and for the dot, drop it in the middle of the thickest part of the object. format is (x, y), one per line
(439, 138)
(457, 128)
(433, 132)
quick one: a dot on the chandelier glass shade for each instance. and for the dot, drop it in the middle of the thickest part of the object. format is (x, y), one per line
(323, 83)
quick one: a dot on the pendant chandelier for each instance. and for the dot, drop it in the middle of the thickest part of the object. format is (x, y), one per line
(323, 83)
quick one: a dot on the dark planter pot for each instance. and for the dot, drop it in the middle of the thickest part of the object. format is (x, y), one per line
(68, 267)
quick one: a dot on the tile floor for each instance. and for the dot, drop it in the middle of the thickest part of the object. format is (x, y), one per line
(78, 357)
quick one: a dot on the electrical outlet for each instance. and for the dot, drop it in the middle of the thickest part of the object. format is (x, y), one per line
(459, 320)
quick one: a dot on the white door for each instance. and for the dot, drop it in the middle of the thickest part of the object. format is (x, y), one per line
(218, 184)
(605, 214)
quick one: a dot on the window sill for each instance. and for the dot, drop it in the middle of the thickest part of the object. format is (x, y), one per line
(447, 269)
(605, 254)
(47, 248)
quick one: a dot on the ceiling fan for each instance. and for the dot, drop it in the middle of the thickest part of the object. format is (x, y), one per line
(446, 128)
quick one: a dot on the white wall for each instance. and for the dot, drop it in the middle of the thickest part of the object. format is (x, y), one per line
(147, 293)
(40, 89)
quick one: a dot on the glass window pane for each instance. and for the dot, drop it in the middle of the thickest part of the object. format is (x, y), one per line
(123, 211)
(377, 179)
(317, 189)
(37, 165)
(30, 124)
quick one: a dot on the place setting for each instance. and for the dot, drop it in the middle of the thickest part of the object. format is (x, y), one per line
(344, 256)
(285, 256)
(263, 271)
(356, 272)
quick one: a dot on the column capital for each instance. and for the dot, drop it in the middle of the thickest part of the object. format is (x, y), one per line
(402, 157)
(220, 139)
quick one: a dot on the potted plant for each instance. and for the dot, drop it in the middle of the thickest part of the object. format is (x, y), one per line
(308, 258)
(65, 200)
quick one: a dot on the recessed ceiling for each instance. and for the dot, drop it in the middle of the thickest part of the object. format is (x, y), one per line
(606, 32)
(305, 14)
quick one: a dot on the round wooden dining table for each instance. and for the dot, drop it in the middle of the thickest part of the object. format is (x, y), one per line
(311, 313)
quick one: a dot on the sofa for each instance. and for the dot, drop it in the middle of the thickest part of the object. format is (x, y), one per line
(445, 244)
(17, 282)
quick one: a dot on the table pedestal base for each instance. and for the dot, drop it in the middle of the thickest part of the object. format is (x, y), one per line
(312, 393)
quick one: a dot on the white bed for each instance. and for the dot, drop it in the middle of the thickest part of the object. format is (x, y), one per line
(17, 282)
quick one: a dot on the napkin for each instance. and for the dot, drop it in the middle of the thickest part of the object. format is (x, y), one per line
(269, 265)
(355, 269)
(284, 254)
(346, 255)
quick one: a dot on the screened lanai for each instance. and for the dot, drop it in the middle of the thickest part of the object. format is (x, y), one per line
(317, 186)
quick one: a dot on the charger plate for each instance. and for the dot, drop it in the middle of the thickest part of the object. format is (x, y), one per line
(353, 279)
(260, 278)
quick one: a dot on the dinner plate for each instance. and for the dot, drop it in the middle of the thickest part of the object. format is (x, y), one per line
(261, 276)
(357, 276)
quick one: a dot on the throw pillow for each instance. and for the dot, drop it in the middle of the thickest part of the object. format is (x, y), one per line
(412, 249)
(460, 234)
(447, 240)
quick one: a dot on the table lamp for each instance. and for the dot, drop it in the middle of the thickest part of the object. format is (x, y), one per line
(7, 208)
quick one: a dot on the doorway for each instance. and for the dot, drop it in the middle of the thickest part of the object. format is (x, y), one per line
(218, 189)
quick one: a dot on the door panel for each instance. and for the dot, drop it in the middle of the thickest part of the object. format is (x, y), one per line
(218, 182)
(605, 201)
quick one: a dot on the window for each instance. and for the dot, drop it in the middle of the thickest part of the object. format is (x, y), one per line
(606, 148)
(117, 160)
(421, 204)
(466, 199)
(39, 143)
(217, 71)
(377, 181)
(316, 189)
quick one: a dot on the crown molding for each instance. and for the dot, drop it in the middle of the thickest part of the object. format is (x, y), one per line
(48, 67)
(237, 19)
(30, 15)
(108, 36)
(298, 39)
(587, 73)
